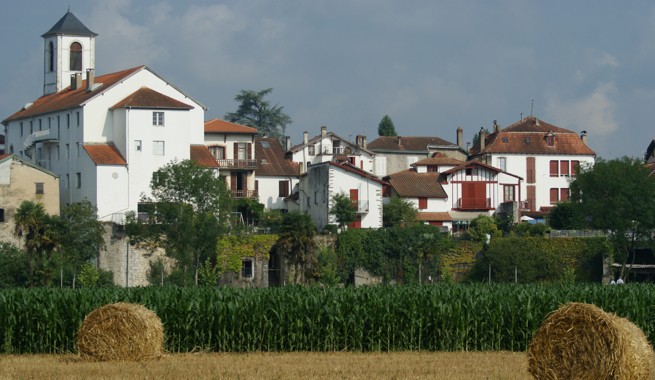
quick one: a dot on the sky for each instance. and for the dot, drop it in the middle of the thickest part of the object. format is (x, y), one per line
(431, 65)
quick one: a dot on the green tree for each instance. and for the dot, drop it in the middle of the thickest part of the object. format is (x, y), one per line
(297, 243)
(81, 234)
(476, 137)
(386, 127)
(482, 226)
(258, 113)
(617, 196)
(398, 212)
(566, 216)
(13, 266)
(343, 210)
(189, 210)
(40, 232)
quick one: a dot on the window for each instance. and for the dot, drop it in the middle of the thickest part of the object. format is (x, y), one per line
(554, 195)
(40, 124)
(508, 193)
(31, 127)
(472, 171)
(247, 268)
(137, 145)
(563, 194)
(422, 203)
(2, 215)
(218, 152)
(502, 163)
(265, 144)
(574, 167)
(564, 168)
(550, 139)
(77, 118)
(39, 188)
(241, 151)
(68, 151)
(76, 57)
(158, 148)
(283, 188)
(68, 121)
(158, 118)
(78, 180)
(530, 170)
(77, 148)
(68, 181)
(554, 168)
(51, 56)
(312, 150)
(21, 129)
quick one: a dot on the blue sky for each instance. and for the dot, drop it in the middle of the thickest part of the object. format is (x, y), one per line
(431, 65)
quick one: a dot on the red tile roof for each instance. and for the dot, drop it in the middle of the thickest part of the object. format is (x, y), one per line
(104, 154)
(271, 160)
(407, 144)
(149, 98)
(222, 126)
(433, 216)
(438, 160)
(201, 155)
(410, 184)
(528, 136)
(353, 169)
(67, 98)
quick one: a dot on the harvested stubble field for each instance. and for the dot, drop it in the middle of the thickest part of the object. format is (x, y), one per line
(298, 365)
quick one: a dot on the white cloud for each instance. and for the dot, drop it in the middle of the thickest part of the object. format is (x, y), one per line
(594, 113)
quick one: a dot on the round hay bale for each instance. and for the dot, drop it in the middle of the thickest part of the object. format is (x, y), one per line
(581, 341)
(121, 332)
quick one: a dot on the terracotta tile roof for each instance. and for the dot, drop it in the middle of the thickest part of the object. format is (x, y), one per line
(66, 98)
(104, 154)
(200, 155)
(433, 216)
(222, 126)
(472, 163)
(407, 144)
(271, 160)
(149, 98)
(332, 136)
(410, 184)
(528, 136)
(438, 160)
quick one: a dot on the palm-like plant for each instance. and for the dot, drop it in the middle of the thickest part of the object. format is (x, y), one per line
(35, 226)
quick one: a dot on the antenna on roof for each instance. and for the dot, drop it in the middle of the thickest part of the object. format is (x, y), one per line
(532, 108)
(521, 116)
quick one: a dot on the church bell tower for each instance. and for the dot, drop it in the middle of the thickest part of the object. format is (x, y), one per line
(69, 49)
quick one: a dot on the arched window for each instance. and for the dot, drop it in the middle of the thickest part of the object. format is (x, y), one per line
(51, 56)
(76, 57)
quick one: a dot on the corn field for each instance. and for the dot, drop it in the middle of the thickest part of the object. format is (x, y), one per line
(479, 317)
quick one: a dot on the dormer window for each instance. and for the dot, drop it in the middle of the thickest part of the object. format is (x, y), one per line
(550, 139)
(76, 56)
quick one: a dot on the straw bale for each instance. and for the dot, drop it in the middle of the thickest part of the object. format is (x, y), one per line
(121, 332)
(581, 341)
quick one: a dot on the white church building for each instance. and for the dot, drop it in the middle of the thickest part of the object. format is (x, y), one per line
(102, 135)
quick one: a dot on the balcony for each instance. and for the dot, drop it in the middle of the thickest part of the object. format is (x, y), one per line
(474, 204)
(237, 164)
(361, 206)
(244, 193)
(49, 135)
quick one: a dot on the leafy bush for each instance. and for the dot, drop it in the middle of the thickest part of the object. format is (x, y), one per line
(13, 266)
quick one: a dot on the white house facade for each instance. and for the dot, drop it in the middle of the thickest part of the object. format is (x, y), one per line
(277, 177)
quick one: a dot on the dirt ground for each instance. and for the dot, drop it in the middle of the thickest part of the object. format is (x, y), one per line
(338, 365)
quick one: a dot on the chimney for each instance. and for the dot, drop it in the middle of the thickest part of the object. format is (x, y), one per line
(73, 81)
(496, 127)
(305, 136)
(287, 140)
(358, 140)
(89, 79)
(364, 142)
(583, 136)
(460, 137)
(323, 131)
(468, 146)
(481, 138)
(400, 140)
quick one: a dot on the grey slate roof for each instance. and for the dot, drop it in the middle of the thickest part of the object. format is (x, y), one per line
(69, 25)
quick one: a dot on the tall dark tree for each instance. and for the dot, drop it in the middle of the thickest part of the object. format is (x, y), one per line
(617, 196)
(297, 243)
(386, 127)
(188, 210)
(254, 111)
(343, 209)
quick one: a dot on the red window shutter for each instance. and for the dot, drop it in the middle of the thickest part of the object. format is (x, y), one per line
(563, 194)
(233, 182)
(236, 151)
(530, 175)
(249, 150)
(554, 193)
(422, 203)
(532, 198)
(574, 167)
(564, 167)
(553, 168)
(284, 189)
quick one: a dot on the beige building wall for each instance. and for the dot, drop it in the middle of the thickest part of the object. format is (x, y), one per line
(18, 182)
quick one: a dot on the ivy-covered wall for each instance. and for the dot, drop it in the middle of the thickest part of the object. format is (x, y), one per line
(232, 249)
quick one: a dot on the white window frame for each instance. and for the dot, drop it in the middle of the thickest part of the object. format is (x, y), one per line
(158, 118)
(158, 147)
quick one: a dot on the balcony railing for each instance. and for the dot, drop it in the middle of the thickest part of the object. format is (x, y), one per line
(244, 193)
(361, 206)
(237, 164)
(474, 203)
(39, 136)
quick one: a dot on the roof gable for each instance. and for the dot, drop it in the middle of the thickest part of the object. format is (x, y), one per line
(408, 144)
(222, 126)
(347, 167)
(7, 157)
(69, 25)
(331, 136)
(104, 154)
(148, 98)
(271, 159)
